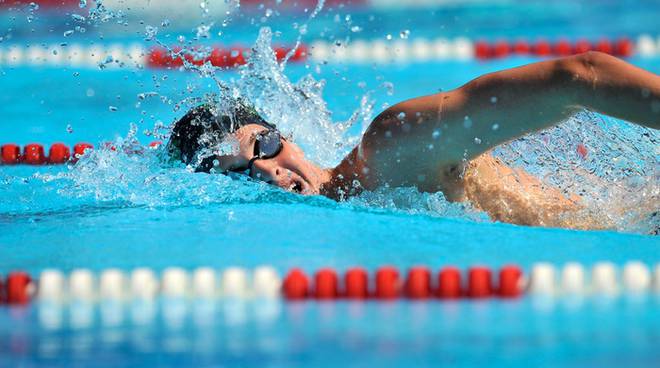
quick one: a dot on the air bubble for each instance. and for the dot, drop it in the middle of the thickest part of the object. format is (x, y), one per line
(436, 134)
(112, 108)
(404, 34)
(401, 115)
(493, 100)
(495, 126)
(477, 140)
(467, 122)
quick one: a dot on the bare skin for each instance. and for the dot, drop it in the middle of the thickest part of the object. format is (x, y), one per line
(441, 142)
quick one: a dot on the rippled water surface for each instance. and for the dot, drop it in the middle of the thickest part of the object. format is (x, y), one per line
(127, 206)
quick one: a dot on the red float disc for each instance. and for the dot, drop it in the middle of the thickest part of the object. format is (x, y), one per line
(155, 144)
(542, 48)
(79, 150)
(33, 154)
(11, 154)
(59, 154)
(479, 282)
(325, 284)
(418, 283)
(236, 57)
(522, 47)
(510, 281)
(219, 57)
(501, 49)
(17, 288)
(582, 46)
(300, 54)
(449, 283)
(563, 48)
(387, 283)
(356, 283)
(280, 53)
(482, 50)
(623, 48)
(604, 46)
(157, 57)
(296, 285)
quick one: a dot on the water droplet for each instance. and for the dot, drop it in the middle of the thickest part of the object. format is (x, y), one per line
(389, 87)
(150, 33)
(467, 122)
(404, 34)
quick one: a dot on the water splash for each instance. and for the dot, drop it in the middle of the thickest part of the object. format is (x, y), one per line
(617, 176)
(612, 165)
(298, 109)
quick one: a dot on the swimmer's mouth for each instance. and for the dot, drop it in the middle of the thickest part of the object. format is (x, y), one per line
(296, 187)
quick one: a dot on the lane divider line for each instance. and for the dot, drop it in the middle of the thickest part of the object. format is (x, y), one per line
(386, 283)
(59, 153)
(137, 56)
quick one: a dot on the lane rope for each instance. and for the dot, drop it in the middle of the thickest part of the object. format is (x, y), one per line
(137, 56)
(385, 283)
(58, 153)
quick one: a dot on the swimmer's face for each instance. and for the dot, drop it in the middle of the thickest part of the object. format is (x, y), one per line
(288, 170)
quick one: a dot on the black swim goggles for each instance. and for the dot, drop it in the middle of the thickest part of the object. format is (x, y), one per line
(267, 144)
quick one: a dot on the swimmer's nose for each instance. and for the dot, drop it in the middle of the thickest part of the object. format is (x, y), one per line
(267, 172)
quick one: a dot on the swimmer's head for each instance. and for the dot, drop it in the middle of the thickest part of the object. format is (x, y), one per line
(203, 128)
(260, 151)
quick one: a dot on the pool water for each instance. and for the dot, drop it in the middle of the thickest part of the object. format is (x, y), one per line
(126, 211)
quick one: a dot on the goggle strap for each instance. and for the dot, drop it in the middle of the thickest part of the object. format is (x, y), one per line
(249, 166)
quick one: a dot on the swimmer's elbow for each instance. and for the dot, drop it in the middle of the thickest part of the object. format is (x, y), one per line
(579, 72)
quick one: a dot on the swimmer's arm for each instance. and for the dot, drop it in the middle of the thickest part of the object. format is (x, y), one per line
(498, 107)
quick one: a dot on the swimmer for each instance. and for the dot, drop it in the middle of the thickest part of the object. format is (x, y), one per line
(442, 142)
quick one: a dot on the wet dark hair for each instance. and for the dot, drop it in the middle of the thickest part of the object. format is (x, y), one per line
(190, 134)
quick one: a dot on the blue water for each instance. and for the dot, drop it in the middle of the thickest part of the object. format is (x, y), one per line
(116, 210)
